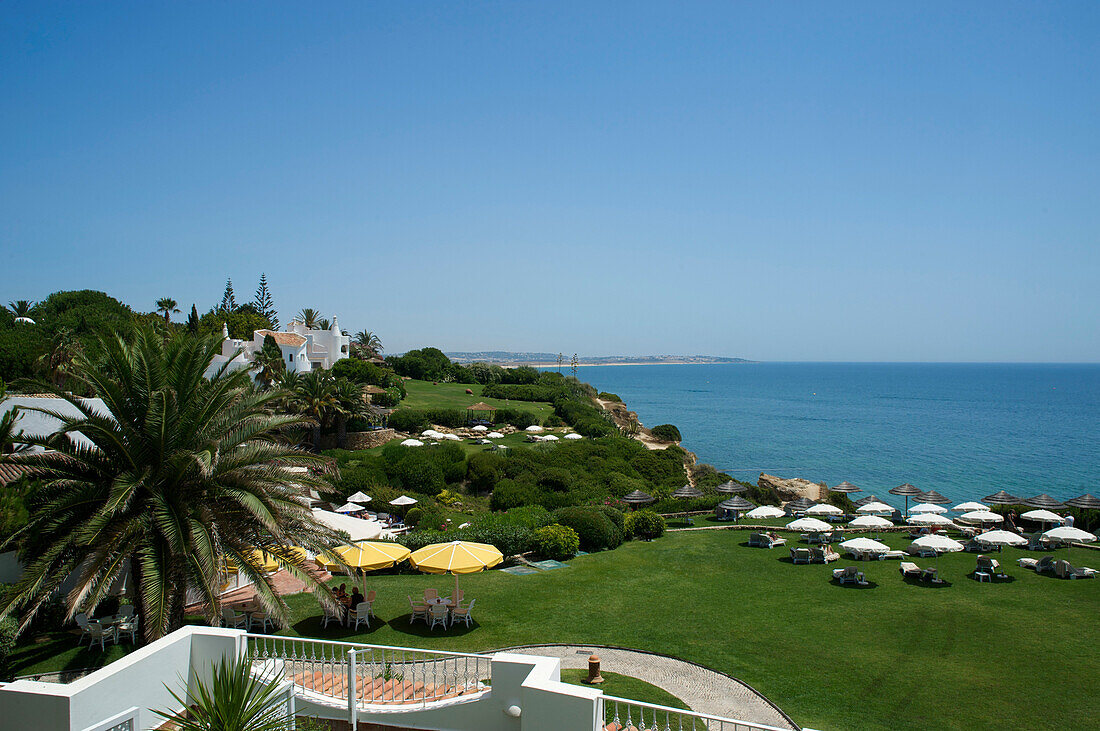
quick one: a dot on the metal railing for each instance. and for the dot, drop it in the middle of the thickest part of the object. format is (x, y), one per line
(369, 676)
(125, 721)
(618, 714)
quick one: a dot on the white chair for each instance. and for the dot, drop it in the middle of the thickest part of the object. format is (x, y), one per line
(82, 623)
(125, 611)
(419, 609)
(336, 615)
(98, 633)
(462, 613)
(361, 613)
(439, 615)
(430, 594)
(262, 619)
(370, 602)
(234, 620)
(127, 626)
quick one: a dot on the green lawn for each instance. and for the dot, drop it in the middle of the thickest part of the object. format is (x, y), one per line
(624, 686)
(891, 656)
(894, 655)
(426, 395)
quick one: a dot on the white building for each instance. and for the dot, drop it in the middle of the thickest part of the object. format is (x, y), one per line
(303, 349)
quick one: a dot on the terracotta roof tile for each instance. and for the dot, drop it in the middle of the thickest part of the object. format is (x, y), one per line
(282, 338)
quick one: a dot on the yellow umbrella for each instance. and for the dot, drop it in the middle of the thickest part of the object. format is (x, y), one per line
(456, 557)
(267, 561)
(367, 555)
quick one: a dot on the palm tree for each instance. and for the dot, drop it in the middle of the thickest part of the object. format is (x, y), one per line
(315, 397)
(11, 439)
(324, 324)
(166, 306)
(351, 402)
(269, 366)
(309, 317)
(183, 475)
(369, 342)
(21, 308)
(59, 356)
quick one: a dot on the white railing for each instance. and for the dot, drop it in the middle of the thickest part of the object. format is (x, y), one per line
(369, 677)
(125, 721)
(618, 714)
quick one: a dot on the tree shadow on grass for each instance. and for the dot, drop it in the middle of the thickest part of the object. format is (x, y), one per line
(420, 629)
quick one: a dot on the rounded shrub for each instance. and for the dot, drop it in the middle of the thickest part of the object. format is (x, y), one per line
(645, 524)
(595, 530)
(412, 421)
(605, 396)
(413, 516)
(553, 421)
(484, 470)
(557, 479)
(9, 628)
(666, 433)
(509, 494)
(556, 541)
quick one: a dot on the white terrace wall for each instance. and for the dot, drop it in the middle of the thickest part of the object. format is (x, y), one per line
(138, 679)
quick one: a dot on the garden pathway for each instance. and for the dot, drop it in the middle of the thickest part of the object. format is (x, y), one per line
(702, 689)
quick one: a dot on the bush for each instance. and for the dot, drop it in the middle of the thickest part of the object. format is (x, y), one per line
(509, 539)
(645, 524)
(518, 418)
(532, 516)
(8, 630)
(360, 371)
(595, 428)
(666, 433)
(615, 516)
(558, 479)
(413, 516)
(595, 530)
(418, 473)
(553, 421)
(387, 400)
(556, 541)
(523, 392)
(412, 421)
(484, 470)
(509, 494)
(605, 396)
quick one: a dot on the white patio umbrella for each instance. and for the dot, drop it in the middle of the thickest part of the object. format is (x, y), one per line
(412, 443)
(358, 498)
(938, 543)
(403, 500)
(824, 509)
(572, 435)
(929, 519)
(1001, 538)
(430, 433)
(1044, 516)
(766, 511)
(980, 516)
(810, 525)
(534, 429)
(495, 435)
(549, 438)
(875, 509)
(480, 427)
(451, 437)
(969, 507)
(858, 546)
(870, 521)
(927, 508)
(1068, 533)
(350, 507)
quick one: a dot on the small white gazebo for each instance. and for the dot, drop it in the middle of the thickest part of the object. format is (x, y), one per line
(572, 435)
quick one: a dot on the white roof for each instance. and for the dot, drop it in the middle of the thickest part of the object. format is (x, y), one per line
(809, 524)
(766, 511)
(357, 529)
(451, 437)
(429, 433)
(1043, 516)
(938, 542)
(1002, 537)
(1069, 533)
(549, 438)
(927, 508)
(872, 508)
(824, 509)
(863, 544)
(871, 521)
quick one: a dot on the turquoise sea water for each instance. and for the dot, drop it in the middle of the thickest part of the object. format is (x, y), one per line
(966, 430)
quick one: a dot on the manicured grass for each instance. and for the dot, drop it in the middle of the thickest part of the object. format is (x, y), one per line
(891, 656)
(426, 395)
(56, 651)
(624, 686)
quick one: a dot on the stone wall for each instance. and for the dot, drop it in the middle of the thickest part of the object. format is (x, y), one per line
(359, 439)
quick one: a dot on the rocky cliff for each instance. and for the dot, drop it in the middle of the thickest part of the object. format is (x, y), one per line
(792, 488)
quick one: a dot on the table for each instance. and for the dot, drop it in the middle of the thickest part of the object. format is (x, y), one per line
(983, 576)
(446, 601)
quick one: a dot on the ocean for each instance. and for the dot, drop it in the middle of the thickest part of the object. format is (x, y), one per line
(966, 430)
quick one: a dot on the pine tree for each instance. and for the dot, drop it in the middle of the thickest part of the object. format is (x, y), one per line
(229, 301)
(193, 320)
(264, 304)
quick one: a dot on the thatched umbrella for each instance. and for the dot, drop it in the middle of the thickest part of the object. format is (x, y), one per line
(480, 408)
(688, 492)
(636, 498)
(866, 501)
(731, 488)
(933, 497)
(1085, 502)
(735, 504)
(1001, 498)
(1045, 502)
(845, 487)
(801, 504)
(907, 491)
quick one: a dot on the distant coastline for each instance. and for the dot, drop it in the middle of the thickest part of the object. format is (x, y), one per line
(550, 360)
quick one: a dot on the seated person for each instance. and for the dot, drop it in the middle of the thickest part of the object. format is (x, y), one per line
(342, 594)
(356, 598)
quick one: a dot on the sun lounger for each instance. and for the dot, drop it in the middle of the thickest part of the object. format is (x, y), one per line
(823, 555)
(849, 575)
(921, 552)
(764, 541)
(989, 566)
(1065, 570)
(1028, 563)
(908, 568)
(893, 554)
(1044, 565)
(1037, 542)
(800, 555)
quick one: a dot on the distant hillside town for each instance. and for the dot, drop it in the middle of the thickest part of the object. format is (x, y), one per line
(504, 357)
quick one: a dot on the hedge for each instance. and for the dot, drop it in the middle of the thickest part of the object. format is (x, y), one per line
(595, 530)
(557, 542)
(645, 524)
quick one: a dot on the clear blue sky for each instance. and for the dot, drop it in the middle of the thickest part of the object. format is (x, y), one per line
(780, 181)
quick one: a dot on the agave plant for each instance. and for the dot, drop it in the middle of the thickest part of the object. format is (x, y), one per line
(233, 700)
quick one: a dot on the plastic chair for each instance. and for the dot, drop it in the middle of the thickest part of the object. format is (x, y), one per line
(98, 633)
(125, 611)
(462, 613)
(262, 619)
(370, 602)
(234, 620)
(361, 613)
(332, 614)
(126, 627)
